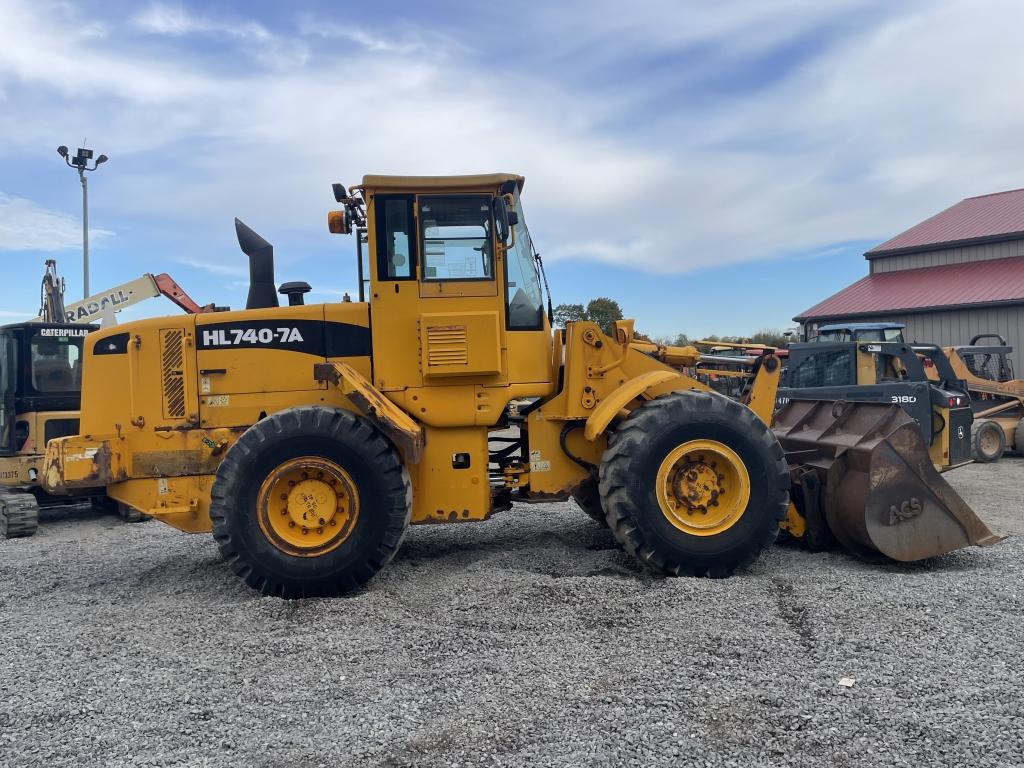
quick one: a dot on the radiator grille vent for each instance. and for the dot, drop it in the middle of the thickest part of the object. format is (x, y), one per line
(173, 375)
(447, 345)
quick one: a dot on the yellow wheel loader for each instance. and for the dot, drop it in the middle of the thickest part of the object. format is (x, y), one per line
(308, 437)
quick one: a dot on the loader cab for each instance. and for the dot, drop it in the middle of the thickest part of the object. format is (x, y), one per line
(451, 264)
(40, 383)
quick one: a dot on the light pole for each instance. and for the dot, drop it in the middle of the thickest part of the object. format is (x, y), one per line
(80, 162)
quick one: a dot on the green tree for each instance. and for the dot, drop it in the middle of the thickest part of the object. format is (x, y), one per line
(604, 312)
(569, 313)
(772, 337)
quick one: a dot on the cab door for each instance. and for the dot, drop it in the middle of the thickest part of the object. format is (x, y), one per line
(8, 379)
(436, 284)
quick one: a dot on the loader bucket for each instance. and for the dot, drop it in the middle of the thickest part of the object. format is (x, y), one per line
(879, 492)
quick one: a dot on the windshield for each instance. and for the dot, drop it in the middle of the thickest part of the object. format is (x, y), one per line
(56, 361)
(522, 283)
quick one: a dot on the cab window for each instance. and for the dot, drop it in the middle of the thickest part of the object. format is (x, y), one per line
(822, 369)
(56, 363)
(524, 300)
(455, 236)
(396, 245)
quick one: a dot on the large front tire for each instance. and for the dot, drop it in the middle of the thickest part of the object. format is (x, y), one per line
(310, 502)
(694, 484)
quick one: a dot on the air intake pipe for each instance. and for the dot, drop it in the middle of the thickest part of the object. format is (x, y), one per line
(262, 290)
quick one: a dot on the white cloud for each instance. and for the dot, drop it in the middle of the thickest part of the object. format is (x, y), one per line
(174, 20)
(410, 44)
(214, 268)
(26, 226)
(897, 111)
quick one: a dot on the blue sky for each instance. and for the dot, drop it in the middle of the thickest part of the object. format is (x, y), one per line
(716, 167)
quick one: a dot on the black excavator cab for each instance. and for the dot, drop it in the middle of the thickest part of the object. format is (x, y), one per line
(40, 373)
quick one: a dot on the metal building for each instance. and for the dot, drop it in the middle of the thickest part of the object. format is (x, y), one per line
(952, 276)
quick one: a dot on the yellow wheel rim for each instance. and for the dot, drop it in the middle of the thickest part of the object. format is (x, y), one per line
(703, 487)
(307, 506)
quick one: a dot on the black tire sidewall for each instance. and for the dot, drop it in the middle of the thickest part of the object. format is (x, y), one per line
(381, 490)
(588, 499)
(979, 432)
(759, 515)
(629, 470)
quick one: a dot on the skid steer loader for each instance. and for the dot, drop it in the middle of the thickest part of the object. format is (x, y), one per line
(883, 415)
(918, 379)
(997, 397)
(308, 437)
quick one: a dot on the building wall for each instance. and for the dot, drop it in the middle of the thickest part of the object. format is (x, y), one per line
(955, 326)
(941, 257)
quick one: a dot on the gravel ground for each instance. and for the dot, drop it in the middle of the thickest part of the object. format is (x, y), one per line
(528, 640)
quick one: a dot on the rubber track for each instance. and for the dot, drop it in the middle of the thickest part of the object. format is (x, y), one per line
(19, 516)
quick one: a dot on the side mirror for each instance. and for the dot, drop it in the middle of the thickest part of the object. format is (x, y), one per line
(501, 219)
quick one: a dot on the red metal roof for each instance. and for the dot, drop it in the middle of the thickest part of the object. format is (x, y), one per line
(987, 217)
(979, 282)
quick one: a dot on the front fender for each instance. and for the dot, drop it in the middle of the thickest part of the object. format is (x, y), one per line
(621, 396)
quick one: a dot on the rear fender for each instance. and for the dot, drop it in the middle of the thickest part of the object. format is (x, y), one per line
(398, 425)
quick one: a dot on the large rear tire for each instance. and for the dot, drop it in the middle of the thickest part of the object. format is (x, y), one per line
(310, 502)
(588, 498)
(988, 441)
(694, 484)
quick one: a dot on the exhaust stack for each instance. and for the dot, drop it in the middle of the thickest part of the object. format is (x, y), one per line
(262, 290)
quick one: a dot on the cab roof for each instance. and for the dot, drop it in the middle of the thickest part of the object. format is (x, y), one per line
(441, 182)
(860, 326)
(33, 324)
